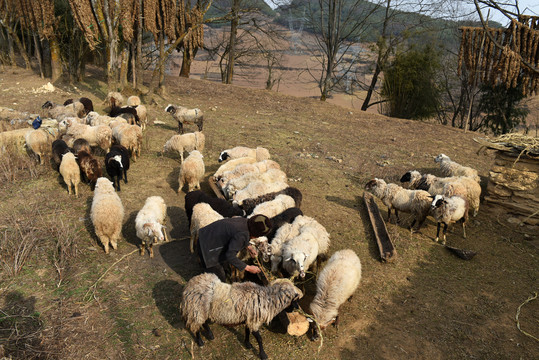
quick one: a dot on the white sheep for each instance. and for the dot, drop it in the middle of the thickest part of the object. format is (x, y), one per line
(257, 188)
(452, 168)
(274, 207)
(100, 135)
(184, 115)
(113, 99)
(448, 210)
(463, 186)
(142, 114)
(203, 215)
(270, 176)
(133, 101)
(191, 171)
(70, 171)
(129, 136)
(94, 119)
(242, 169)
(57, 111)
(107, 213)
(40, 142)
(416, 202)
(300, 252)
(185, 142)
(205, 298)
(231, 165)
(150, 223)
(237, 152)
(335, 284)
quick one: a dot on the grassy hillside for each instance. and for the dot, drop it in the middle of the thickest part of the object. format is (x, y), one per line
(71, 301)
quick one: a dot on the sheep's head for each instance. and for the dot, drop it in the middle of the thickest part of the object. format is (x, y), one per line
(47, 105)
(91, 116)
(171, 109)
(104, 185)
(263, 247)
(287, 289)
(438, 201)
(441, 158)
(297, 262)
(117, 158)
(374, 184)
(223, 156)
(154, 231)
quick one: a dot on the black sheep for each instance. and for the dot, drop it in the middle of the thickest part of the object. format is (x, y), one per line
(117, 111)
(116, 162)
(88, 104)
(222, 206)
(59, 148)
(286, 217)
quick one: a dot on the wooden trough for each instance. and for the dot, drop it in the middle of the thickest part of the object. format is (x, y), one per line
(385, 246)
(215, 188)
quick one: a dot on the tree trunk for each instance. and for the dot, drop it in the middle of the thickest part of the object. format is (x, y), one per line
(124, 67)
(12, 35)
(138, 80)
(11, 49)
(232, 42)
(38, 55)
(161, 86)
(187, 62)
(113, 63)
(56, 61)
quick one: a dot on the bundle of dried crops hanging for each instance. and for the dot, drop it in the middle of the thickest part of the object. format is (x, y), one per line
(85, 19)
(151, 10)
(128, 18)
(502, 56)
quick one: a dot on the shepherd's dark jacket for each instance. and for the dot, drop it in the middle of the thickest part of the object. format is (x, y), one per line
(220, 242)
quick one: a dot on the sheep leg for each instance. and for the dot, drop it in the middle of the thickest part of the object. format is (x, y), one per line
(125, 176)
(180, 127)
(464, 229)
(397, 216)
(438, 232)
(445, 231)
(247, 343)
(262, 354)
(209, 333)
(198, 339)
(141, 249)
(151, 250)
(388, 214)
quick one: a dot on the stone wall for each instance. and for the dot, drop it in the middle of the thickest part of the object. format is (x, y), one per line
(515, 186)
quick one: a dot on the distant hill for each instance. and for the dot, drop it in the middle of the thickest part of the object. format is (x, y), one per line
(220, 8)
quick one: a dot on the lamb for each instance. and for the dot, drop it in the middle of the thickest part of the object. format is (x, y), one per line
(90, 167)
(59, 148)
(259, 153)
(248, 205)
(100, 136)
(274, 207)
(40, 142)
(87, 103)
(185, 142)
(129, 136)
(452, 168)
(70, 172)
(56, 111)
(184, 115)
(448, 210)
(396, 197)
(150, 223)
(205, 298)
(107, 213)
(463, 186)
(222, 206)
(116, 163)
(142, 114)
(256, 189)
(191, 171)
(336, 283)
(203, 215)
(270, 176)
(231, 165)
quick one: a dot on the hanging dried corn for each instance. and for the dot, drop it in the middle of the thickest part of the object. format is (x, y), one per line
(85, 19)
(129, 11)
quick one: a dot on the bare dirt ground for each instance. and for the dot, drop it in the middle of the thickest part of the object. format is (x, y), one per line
(427, 304)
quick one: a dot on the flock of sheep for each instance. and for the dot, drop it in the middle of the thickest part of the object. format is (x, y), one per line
(252, 184)
(447, 199)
